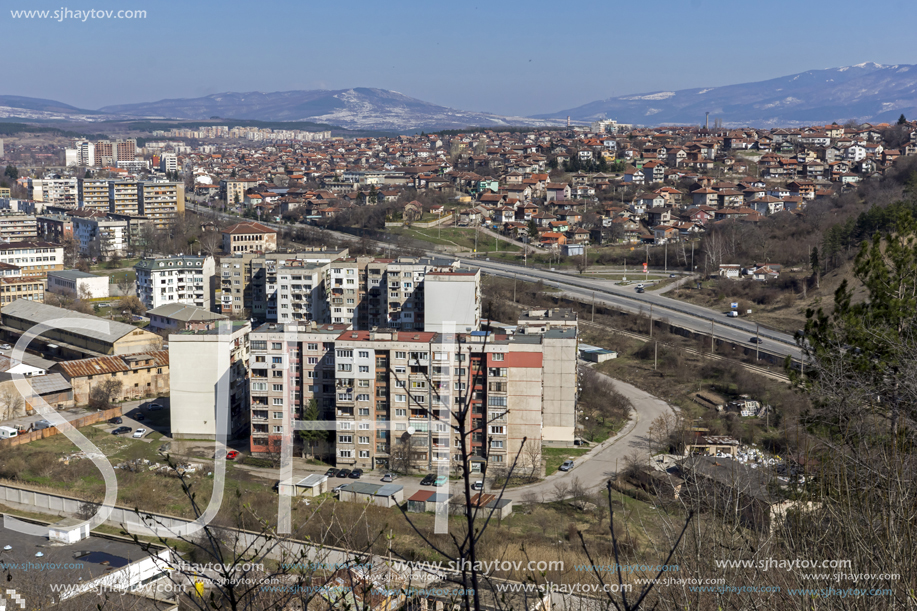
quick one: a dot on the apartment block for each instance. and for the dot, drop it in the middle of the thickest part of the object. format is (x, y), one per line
(34, 258)
(232, 287)
(168, 162)
(101, 236)
(30, 288)
(15, 227)
(95, 194)
(403, 294)
(452, 300)
(393, 394)
(178, 279)
(265, 279)
(54, 191)
(124, 197)
(209, 373)
(161, 202)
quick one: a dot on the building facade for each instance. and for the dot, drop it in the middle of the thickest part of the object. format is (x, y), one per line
(179, 279)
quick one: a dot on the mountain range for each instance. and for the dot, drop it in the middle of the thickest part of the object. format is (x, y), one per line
(864, 92)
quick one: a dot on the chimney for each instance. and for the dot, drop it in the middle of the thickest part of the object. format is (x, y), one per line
(707, 121)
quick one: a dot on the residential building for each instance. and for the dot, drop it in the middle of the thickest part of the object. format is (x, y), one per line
(124, 197)
(15, 227)
(76, 283)
(54, 191)
(161, 202)
(101, 237)
(29, 288)
(178, 279)
(209, 385)
(34, 258)
(54, 227)
(168, 162)
(249, 236)
(95, 194)
(452, 300)
(175, 317)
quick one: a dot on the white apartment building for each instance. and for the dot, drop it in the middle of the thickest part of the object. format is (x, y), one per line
(168, 162)
(452, 300)
(178, 279)
(101, 236)
(34, 257)
(54, 191)
(209, 381)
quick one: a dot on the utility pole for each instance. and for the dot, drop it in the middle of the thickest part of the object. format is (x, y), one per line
(712, 347)
(651, 320)
(593, 306)
(655, 355)
(667, 257)
(514, 288)
(757, 339)
(692, 257)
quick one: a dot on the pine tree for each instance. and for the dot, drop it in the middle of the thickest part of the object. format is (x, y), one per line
(311, 436)
(816, 266)
(902, 120)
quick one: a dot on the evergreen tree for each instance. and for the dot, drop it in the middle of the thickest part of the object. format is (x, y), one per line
(902, 120)
(815, 265)
(311, 436)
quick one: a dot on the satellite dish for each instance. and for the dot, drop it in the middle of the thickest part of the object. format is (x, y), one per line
(411, 430)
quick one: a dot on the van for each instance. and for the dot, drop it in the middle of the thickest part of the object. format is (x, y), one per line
(40, 424)
(732, 314)
(7, 432)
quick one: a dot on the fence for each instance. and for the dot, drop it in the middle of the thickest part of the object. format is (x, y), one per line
(52, 430)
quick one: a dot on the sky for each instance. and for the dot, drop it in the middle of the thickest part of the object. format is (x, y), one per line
(507, 57)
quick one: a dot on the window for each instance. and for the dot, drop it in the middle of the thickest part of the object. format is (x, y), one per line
(363, 397)
(259, 385)
(400, 383)
(278, 415)
(401, 355)
(276, 346)
(496, 458)
(364, 368)
(345, 438)
(363, 354)
(498, 372)
(345, 396)
(496, 444)
(400, 398)
(401, 413)
(364, 453)
(278, 428)
(278, 401)
(497, 430)
(277, 387)
(497, 356)
(363, 439)
(401, 369)
(363, 411)
(460, 386)
(345, 354)
(313, 360)
(418, 384)
(312, 347)
(345, 453)
(259, 345)
(363, 383)
(277, 360)
(496, 401)
(419, 398)
(345, 367)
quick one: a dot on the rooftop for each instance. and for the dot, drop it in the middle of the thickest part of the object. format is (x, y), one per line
(36, 313)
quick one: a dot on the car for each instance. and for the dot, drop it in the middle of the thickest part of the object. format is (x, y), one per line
(671, 275)
(154, 407)
(121, 430)
(641, 290)
(640, 286)
(732, 314)
(139, 433)
(115, 420)
(344, 473)
(338, 488)
(478, 485)
(356, 474)
(232, 455)
(428, 480)
(756, 340)
(140, 417)
(331, 472)
(41, 424)
(568, 464)
(388, 477)
(6, 347)
(442, 480)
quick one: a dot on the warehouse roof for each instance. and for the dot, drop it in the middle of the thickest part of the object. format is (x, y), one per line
(36, 313)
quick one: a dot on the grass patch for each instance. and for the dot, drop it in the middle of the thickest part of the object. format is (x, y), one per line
(555, 457)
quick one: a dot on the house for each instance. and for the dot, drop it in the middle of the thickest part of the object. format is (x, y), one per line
(557, 192)
(730, 270)
(141, 375)
(705, 197)
(664, 233)
(553, 239)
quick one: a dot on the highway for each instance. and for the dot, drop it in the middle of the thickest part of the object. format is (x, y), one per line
(686, 315)
(625, 298)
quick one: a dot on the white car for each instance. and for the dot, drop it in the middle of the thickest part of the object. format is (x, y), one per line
(139, 433)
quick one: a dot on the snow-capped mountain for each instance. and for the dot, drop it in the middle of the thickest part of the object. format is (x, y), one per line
(865, 92)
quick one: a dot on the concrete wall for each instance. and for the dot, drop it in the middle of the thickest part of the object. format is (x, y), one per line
(51, 431)
(560, 381)
(199, 364)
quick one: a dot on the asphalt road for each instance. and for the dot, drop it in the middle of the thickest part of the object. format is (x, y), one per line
(696, 318)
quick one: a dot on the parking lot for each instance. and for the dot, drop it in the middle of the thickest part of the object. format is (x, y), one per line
(154, 421)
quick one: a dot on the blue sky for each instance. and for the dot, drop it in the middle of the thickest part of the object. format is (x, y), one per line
(499, 56)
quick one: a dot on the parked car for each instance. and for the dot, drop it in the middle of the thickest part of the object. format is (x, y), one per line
(331, 472)
(671, 275)
(140, 417)
(478, 485)
(640, 286)
(40, 424)
(232, 455)
(154, 407)
(732, 314)
(641, 290)
(115, 420)
(343, 473)
(356, 474)
(388, 477)
(338, 488)
(568, 464)
(6, 347)
(121, 430)
(428, 480)
(440, 481)
(139, 433)
(756, 340)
